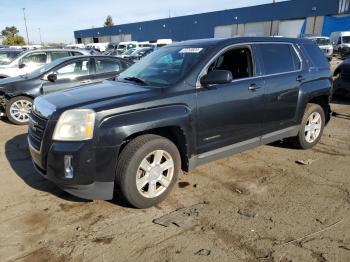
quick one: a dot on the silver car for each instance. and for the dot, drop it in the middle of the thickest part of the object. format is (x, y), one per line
(29, 61)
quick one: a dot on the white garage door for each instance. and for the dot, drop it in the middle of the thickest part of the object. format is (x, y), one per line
(223, 31)
(257, 29)
(290, 28)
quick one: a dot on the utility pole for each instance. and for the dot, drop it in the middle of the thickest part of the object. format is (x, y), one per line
(25, 23)
(41, 41)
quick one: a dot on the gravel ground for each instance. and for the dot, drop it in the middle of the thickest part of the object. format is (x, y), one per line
(260, 205)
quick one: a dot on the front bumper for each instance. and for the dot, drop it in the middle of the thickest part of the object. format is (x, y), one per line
(93, 168)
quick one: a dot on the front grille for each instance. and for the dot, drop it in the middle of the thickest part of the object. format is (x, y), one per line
(36, 130)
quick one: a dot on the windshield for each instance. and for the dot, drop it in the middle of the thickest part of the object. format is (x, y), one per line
(346, 39)
(45, 68)
(323, 41)
(164, 67)
(6, 57)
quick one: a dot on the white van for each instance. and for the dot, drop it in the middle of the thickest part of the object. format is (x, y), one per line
(161, 42)
(341, 42)
(324, 44)
(99, 46)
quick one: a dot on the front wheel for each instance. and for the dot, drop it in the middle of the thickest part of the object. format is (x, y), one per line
(18, 109)
(311, 128)
(147, 170)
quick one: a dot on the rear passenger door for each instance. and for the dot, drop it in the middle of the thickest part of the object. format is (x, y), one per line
(106, 68)
(283, 74)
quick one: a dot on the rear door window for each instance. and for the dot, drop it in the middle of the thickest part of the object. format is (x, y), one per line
(58, 55)
(278, 58)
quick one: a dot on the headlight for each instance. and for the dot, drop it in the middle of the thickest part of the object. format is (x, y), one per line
(75, 125)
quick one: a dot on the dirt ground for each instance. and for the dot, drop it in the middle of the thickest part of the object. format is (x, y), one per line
(259, 205)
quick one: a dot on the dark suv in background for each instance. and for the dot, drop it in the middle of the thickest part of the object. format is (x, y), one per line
(181, 106)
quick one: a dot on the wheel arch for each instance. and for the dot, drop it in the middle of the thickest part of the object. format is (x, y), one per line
(174, 133)
(323, 101)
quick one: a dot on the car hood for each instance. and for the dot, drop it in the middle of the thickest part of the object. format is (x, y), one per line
(12, 80)
(95, 96)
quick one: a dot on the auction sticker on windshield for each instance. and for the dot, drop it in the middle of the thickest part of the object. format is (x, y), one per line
(190, 50)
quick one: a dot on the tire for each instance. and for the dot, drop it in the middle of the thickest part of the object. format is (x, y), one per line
(303, 140)
(143, 149)
(22, 105)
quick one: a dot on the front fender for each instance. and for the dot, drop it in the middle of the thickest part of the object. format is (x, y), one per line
(113, 130)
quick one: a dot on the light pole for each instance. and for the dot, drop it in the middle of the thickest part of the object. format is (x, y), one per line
(41, 41)
(25, 23)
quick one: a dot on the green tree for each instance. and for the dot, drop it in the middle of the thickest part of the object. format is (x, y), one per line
(109, 21)
(11, 36)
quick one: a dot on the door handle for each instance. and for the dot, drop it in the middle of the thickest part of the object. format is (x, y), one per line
(254, 87)
(85, 81)
(300, 78)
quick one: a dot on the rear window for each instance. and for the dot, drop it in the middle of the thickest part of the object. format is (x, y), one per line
(279, 58)
(315, 54)
(58, 55)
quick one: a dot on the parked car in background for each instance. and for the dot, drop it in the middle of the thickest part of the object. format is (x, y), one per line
(341, 43)
(75, 46)
(342, 81)
(29, 61)
(8, 55)
(181, 106)
(124, 46)
(17, 93)
(140, 53)
(325, 44)
(127, 53)
(112, 46)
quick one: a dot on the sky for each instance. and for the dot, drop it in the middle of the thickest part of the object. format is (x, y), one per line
(58, 19)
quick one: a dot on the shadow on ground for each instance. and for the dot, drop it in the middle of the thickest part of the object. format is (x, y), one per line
(17, 153)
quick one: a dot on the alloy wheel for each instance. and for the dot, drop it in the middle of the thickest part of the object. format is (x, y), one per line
(313, 127)
(154, 174)
(20, 110)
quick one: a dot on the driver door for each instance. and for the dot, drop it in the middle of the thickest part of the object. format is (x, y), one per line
(229, 116)
(72, 74)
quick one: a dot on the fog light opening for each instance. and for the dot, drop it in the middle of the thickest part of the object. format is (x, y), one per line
(68, 168)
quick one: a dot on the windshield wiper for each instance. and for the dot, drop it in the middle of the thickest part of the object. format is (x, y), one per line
(135, 79)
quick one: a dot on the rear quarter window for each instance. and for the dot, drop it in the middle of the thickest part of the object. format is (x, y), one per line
(316, 56)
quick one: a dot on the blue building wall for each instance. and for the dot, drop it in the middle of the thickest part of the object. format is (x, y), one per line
(202, 25)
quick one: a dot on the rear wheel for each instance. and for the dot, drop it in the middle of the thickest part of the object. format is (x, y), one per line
(18, 109)
(311, 128)
(147, 170)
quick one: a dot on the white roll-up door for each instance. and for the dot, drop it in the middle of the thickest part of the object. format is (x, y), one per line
(223, 31)
(257, 29)
(290, 28)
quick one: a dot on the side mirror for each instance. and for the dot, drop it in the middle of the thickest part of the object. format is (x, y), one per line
(52, 77)
(21, 65)
(217, 77)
